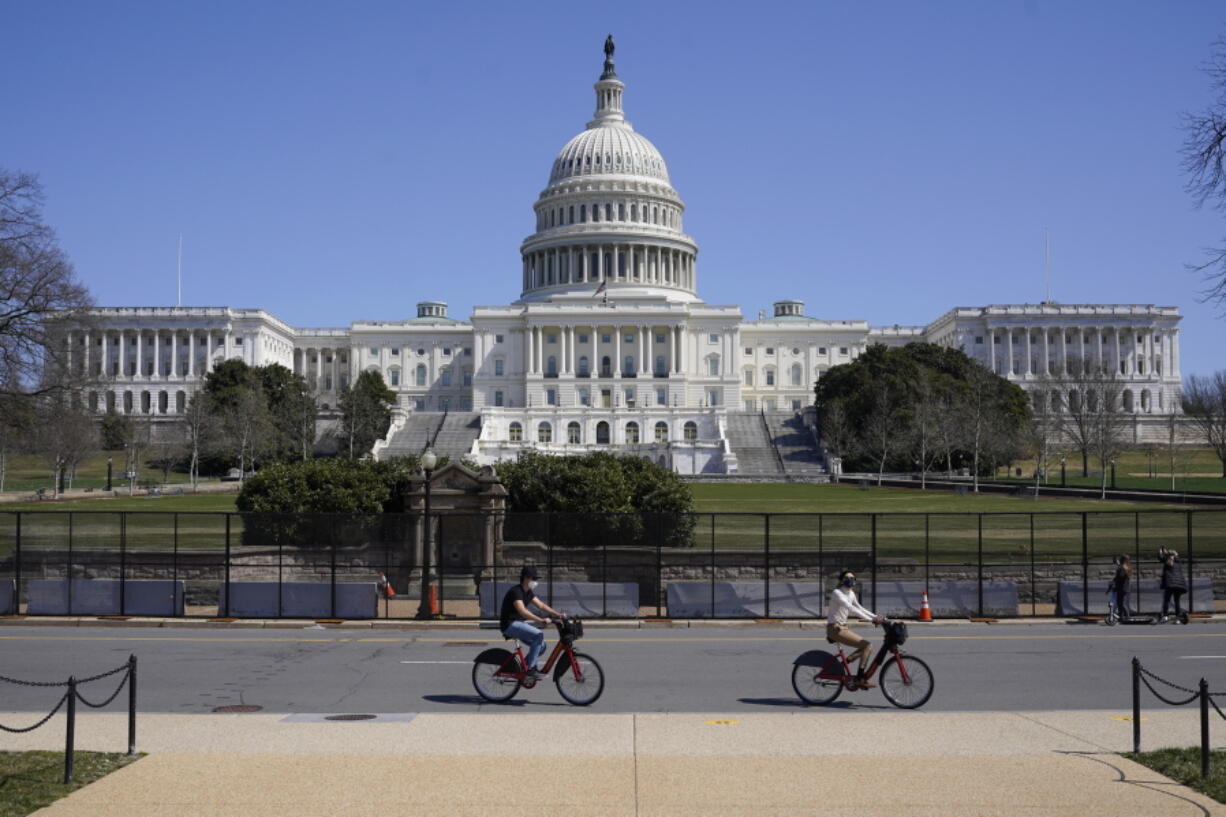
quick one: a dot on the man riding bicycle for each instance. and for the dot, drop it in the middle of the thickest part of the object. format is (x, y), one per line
(515, 616)
(842, 603)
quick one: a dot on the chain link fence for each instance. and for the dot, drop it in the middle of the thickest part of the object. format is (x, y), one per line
(706, 565)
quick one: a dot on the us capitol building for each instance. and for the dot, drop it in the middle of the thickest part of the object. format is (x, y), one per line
(609, 345)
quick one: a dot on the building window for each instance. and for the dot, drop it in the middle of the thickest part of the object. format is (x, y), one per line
(606, 338)
(497, 398)
(796, 374)
(421, 374)
(628, 365)
(632, 433)
(583, 338)
(749, 377)
(661, 432)
(395, 351)
(516, 432)
(712, 397)
(690, 432)
(661, 397)
(395, 379)
(551, 338)
(445, 377)
(446, 351)
(585, 397)
(544, 433)
(713, 365)
(583, 366)
(421, 352)
(574, 434)
(843, 350)
(749, 404)
(497, 338)
(551, 366)
(659, 338)
(551, 397)
(821, 350)
(602, 433)
(770, 377)
(770, 350)
(468, 377)
(374, 351)
(713, 338)
(498, 367)
(978, 340)
(628, 396)
(748, 350)
(629, 338)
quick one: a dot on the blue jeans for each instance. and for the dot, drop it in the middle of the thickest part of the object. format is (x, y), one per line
(534, 638)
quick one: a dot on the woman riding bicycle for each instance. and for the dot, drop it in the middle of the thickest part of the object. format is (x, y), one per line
(515, 616)
(842, 603)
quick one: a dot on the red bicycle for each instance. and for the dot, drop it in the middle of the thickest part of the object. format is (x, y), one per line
(818, 677)
(498, 674)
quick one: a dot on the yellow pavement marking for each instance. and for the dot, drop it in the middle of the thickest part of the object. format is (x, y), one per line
(639, 640)
(1127, 718)
(722, 723)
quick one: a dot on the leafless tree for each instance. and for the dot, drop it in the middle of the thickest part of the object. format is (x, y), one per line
(925, 424)
(39, 293)
(1094, 419)
(835, 428)
(980, 416)
(1204, 163)
(64, 435)
(885, 427)
(1204, 404)
(1042, 430)
(200, 433)
(1176, 449)
(246, 427)
(948, 431)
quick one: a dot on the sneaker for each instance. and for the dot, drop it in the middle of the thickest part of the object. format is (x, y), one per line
(1162, 620)
(535, 675)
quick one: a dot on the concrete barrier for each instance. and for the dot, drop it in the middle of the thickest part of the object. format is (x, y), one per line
(104, 597)
(809, 599)
(1144, 597)
(354, 600)
(591, 599)
(8, 597)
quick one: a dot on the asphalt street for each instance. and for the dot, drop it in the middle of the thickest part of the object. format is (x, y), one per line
(737, 668)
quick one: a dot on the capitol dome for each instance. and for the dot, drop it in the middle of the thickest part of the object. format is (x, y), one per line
(609, 218)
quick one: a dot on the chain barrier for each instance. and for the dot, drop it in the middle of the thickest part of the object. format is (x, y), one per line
(15, 731)
(1213, 703)
(122, 682)
(1146, 674)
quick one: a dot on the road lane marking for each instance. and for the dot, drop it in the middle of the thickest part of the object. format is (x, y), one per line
(1202, 656)
(436, 662)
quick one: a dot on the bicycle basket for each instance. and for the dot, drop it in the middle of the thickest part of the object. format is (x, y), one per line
(895, 633)
(570, 631)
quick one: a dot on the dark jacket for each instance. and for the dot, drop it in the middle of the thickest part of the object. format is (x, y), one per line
(1120, 583)
(1172, 574)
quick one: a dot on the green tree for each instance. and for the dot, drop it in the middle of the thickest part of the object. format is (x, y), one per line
(114, 429)
(366, 413)
(292, 410)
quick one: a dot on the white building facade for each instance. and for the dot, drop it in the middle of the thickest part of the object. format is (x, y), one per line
(609, 345)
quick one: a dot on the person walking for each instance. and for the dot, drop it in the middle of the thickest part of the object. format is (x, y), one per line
(1117, 590)
(1174, 583)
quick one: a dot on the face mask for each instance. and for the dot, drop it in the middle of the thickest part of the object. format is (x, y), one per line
(849, 582)
(532, 584)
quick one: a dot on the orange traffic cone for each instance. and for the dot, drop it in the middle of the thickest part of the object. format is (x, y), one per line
(925, 610)
(432, 600)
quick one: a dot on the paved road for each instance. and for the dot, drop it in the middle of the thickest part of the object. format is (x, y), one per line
(978, 667)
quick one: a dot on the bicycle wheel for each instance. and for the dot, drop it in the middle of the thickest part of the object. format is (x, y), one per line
(812, 689)
(915, 690)
(585, 689)
(491, 685)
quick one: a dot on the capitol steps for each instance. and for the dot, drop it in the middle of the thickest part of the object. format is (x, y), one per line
(414, 436)
(749, 441)
(457, 434)
(796, 444)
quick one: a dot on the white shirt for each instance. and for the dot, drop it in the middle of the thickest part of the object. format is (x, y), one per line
(842, 602)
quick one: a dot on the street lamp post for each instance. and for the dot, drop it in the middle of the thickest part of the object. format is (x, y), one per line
(1063, 481)
(428, 461)
(1113, 475)
(108, 473)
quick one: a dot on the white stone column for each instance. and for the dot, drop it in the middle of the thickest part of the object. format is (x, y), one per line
(645, 351)
(1029, 355)
(1063, 350)
(1009, 351)
(617, 357)
(157, 353)
(1117, 351)
(85, 355)
(1175, 374)
(672, 349)
(193, 343)
(123, 355)
(140, 353)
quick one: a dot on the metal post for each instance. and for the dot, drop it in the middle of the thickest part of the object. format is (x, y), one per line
(766, 559)
(1136, 704)
(979, 570)
(226, 612)
(873, 587)
(108, 474)
(174, 570)
(423, 604)
(70, 739)
(659, 577)
(1063, 476)
(68, 567)
(123, 562)
(927, 548)
(1191, 564)
(332, 566)
(821, 573)
(1085, 565)
(1113, 475)
(712, 565)
(17, 569)
(132, 704)
(1204, 728)
(1034, 589)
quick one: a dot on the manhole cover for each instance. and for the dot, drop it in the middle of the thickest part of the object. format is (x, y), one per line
(350, 717)
(237, 709)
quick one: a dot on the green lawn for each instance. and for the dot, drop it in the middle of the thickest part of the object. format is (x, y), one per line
(1183, 766)
(28, 472)
(30, 781)
(1196, 469)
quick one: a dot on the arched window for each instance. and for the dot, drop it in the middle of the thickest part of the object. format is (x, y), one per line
(713, 365)
(602, 433)
(606, 367)
(574, 434)
(661, 432)
(1128, 400)
(515, 433)
(691, 431)
(421, 374)
(796, 374)
(582, 213)
(551, 365)
(632, 433)
(608, 212)
(628, 365)
(749, 377)
(634, 213)
(544, 433)
(770, 377)
(445, 377)
(583, 366)
(180, 402)
(1145, 404)
(661, 369)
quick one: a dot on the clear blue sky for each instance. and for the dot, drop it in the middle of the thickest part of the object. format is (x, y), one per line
(332, 162)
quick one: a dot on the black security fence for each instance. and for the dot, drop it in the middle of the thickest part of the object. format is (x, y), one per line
(707, 565)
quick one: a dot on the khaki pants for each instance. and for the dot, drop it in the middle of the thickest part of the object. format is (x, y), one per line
(844, 635)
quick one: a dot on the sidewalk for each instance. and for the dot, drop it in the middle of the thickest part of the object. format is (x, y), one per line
(816, 762)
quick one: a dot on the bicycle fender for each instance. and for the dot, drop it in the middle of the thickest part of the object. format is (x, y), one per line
(563, 666)
(494, 655)
(816, 658)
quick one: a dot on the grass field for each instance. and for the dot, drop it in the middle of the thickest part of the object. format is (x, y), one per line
(1183, 766)
(28, 472)
(30, 781)
(1196, 469)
